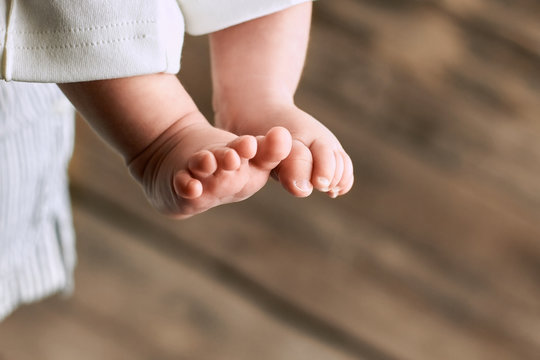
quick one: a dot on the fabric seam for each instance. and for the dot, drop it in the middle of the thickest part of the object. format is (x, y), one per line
(6, 55)
(82, 45)
(87, 29)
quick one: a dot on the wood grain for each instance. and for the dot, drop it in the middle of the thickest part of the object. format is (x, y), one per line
(435, 254)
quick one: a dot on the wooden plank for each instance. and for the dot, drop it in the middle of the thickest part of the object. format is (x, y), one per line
(334, 273)
(515, 22)
(452, 96)
(149, 306)
(45, 331)
(481, 150)
(435, 253)
(172, 238)
(471, 133)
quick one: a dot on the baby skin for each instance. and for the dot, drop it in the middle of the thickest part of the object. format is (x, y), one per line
(317, 159)
(256, 67)
(185, 165)
(193, 166)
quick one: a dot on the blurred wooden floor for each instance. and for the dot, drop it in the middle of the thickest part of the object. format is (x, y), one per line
(435, 254)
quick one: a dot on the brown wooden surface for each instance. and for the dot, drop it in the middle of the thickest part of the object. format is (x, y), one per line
(435, 254)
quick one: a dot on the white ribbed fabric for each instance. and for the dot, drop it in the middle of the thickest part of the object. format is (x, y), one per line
(37, 252)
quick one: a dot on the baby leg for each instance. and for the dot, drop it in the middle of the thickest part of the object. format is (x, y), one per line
(256, 67)
(185, 165)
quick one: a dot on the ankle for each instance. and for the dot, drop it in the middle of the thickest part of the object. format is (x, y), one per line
(235, 116)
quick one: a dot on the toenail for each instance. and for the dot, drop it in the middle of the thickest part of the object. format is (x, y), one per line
(333, 194)
(324, 182)
(303, 185)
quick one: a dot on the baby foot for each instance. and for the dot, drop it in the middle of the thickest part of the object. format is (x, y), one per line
(317, 159)
(193, 166)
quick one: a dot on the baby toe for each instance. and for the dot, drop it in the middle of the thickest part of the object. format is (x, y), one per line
(227, 159)
(202, 164)
(324, 165)
(347, 187)
(272, 148)
(338, 174)
(294, 172)
(245, 146)
(186, 186)
(347, 179)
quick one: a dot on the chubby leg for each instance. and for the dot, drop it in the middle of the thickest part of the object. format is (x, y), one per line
(256, 67)
(185, 165)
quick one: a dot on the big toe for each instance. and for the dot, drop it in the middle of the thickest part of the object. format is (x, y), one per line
(347, 179)
(273, 148)
(294, 173)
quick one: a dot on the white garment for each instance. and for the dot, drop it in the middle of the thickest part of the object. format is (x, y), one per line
(79, 40)
(37, 248)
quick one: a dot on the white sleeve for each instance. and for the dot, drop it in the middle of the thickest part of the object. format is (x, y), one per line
(67, 40)
(206, 16)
